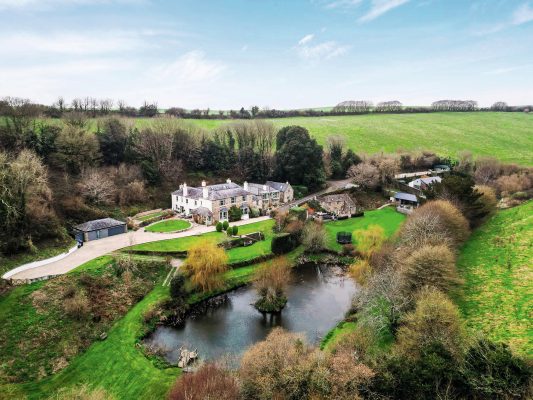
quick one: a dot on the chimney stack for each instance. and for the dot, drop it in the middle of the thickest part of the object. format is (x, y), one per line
(185, 190)
(228, 180)
(264, 187)
(203, 183)
(245, 185)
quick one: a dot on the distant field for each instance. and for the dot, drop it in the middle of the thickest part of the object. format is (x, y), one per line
(497, 265)
(506, 136)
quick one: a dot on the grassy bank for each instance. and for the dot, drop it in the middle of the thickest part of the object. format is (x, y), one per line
(496, 264)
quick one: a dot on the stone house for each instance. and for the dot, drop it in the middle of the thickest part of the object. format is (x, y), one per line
(340, 205)
(208, 204)
(285, 189)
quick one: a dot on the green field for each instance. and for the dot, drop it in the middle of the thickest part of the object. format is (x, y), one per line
(497, 265)
(388, 218)
(506, 136)
(172, 225)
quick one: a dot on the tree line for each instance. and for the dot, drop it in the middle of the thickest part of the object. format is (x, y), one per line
(93, 107)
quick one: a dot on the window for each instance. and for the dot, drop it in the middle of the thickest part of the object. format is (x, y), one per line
(221, 202)
(243, 198)
(233, 199)
(186, 201)
(265, 196)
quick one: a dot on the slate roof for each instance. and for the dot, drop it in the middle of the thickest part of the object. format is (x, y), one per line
(257, 188)
(214, 192)
(406, 196)
(334, 198)
(427, 181)
(98, 224)
(280, 186)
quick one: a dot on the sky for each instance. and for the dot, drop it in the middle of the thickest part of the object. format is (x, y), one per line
(227, 54)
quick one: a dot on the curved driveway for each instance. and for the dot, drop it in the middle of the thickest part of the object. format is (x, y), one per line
(101, 247)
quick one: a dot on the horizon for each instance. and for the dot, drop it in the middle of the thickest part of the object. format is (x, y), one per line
(300, 55)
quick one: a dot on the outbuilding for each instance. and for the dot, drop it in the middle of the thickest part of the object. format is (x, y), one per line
(99, 229)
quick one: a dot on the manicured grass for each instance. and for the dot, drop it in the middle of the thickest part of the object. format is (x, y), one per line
(506, 136)
(388, 218)
(149, 216)
(235, 255)
(497, 266)
(171, 225)
(44, 250)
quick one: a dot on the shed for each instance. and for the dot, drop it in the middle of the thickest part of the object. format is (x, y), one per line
(99, 229)
(406, 198)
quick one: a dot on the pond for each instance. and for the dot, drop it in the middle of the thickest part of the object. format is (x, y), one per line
(318, 299)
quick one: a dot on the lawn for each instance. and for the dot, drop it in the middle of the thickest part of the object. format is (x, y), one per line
(150, 216)
(235, 255)
(388, 218)
(506, 136)
(171, 225)
(497, 266)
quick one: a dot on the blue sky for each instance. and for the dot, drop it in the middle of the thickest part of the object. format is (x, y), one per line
(280, 54)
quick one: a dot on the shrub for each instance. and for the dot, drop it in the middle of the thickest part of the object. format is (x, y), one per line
(77, 307)
(488, 198)
(270, 281)
(283, 243)
(314, 237)
(234, 214)
(360, 270)
(225, 225)
(219, 227)
(277, 368)
(229, 232)
(348, 249)
(435, 320)
(235, 230)
(209, 382)
(429, 266)
(299, 212)
(436, 222)
(369, 240)
(177, 288)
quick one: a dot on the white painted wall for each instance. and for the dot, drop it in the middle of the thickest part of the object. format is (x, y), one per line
(39, 263)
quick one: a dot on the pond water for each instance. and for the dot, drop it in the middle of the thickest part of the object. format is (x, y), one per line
(318, 299)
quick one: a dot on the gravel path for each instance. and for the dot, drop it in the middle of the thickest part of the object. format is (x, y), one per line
(101, 247)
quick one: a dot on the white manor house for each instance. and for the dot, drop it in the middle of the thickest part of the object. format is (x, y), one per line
(211, 203)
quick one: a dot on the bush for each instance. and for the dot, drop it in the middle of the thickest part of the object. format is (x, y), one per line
(234, 214)
(235, 230)
(229, 232)
(299, 212)
(225, 225)
(436, 222)
(314, 237)
(219, 227)
(429, 266)
(283, 243)
(270, 281)
(348, 249)
(209, 382)
(77, 307)
(435, 320)
(177, 288)
(487, 199)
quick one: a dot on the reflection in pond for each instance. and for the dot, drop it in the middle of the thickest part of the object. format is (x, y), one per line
(318, 300)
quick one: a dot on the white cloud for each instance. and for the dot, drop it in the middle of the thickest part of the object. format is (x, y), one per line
(320, 51)
(306, 39)
(380, 7)
(191, 67)
(343, 3)
(522, 14)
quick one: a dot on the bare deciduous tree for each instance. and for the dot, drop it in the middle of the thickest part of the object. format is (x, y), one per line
(96, 187)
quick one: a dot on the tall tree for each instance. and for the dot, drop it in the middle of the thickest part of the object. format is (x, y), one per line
(299, 158)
